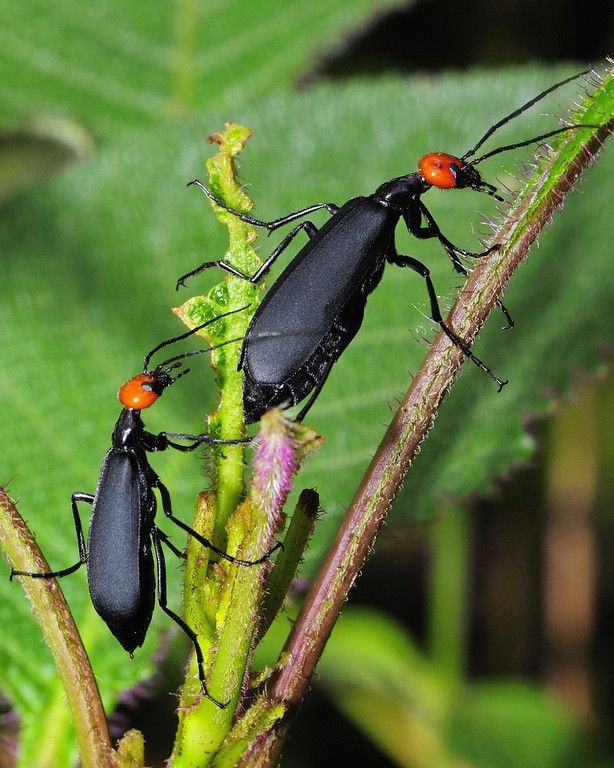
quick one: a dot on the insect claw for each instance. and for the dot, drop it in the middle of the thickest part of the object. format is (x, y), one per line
(211, 698)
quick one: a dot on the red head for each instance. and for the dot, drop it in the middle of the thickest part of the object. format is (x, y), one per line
(143, 390)
(439, 169)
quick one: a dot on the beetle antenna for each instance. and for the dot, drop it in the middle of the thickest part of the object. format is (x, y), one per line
(172, 367)
(179, 375)
(173, 361)
(182, 336)
(520, 110)
(194, 353)
(491, 190)
(534, 140)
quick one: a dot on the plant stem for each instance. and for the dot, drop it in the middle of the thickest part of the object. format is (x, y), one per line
(234, 293)
(295, 542)
(237, 591)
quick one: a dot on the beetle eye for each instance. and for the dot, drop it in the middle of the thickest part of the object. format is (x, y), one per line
(137, 393)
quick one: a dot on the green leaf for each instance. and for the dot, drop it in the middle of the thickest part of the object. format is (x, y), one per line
(378, 678)
(375, 674)
(117, 65)
(88, 268)
(513, 725)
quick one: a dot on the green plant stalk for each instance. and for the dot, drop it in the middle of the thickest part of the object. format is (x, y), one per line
(207, 594)
(251, 530)
(210, 725)
(555, 175)
(198, 611)
(297, 536)
(201, 598)
(62, 637)
(448, 592)
(234, 293)
(241, 620)
(261, 716)
(199, 605)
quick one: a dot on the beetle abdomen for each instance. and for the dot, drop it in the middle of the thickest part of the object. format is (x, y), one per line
(301, 309)
(258, 397)
(120, 565)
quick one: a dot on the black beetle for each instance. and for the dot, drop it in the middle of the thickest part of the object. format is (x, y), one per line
(316, 306)
(122, 531)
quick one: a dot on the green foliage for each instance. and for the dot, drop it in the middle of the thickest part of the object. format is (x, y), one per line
(513, 725)
(122, 71)
(378, 677)
(84, 276)
(134, 67)
(37, 149)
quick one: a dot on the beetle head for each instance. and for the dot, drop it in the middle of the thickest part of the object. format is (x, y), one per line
(438, 169)
(143, 390)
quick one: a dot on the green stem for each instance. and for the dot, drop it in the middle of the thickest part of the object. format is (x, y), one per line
(230, 458)
(295, 541)
(204, 727)
(233, 293)
(237, 591)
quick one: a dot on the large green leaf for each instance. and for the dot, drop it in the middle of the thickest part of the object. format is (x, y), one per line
(116, 65)
(89, 262)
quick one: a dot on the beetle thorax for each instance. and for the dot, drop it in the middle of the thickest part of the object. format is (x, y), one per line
(401, 192)
(129, 429)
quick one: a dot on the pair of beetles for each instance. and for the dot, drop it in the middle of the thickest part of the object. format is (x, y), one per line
(306, 320)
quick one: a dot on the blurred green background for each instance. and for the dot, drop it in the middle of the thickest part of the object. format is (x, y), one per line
(479, 632)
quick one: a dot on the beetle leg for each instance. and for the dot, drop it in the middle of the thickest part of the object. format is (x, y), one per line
(270, 225)
(168, 511)
(157, 536)
(407, 261)
(175, 550)
(161, 441)
(432, 230)
(453, 251)
(303, 412)
(310, 228)
(87, 497)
